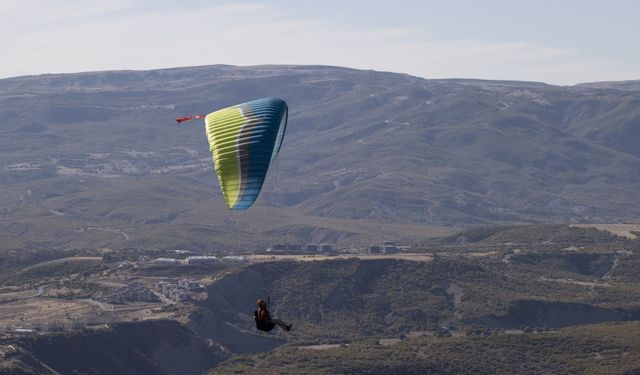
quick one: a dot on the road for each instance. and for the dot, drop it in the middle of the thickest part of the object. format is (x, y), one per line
(17, 295)
(418, 257)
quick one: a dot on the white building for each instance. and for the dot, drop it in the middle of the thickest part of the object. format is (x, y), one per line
(167, 260)
(188, 284)
(201, 260)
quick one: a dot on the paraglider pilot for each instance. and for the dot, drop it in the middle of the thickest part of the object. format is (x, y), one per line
(264, 321)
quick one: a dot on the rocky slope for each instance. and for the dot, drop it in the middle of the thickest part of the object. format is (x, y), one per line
(153, 347)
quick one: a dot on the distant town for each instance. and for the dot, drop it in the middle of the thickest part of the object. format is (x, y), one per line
(131, 284)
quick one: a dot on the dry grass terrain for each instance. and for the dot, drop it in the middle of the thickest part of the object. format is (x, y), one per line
(624, 230)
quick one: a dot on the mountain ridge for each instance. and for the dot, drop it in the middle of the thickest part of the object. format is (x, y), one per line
(378, 147)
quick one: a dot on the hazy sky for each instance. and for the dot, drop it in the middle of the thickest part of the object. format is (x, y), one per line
(553, 41)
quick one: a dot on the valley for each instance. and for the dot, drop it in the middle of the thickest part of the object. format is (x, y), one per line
(469, 290)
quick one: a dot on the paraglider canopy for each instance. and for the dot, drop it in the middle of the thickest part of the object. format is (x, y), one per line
(243, 140)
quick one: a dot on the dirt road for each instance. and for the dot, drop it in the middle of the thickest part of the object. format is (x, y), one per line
(417, 257)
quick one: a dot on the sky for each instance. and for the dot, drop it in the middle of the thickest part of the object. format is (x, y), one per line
(560, 42)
